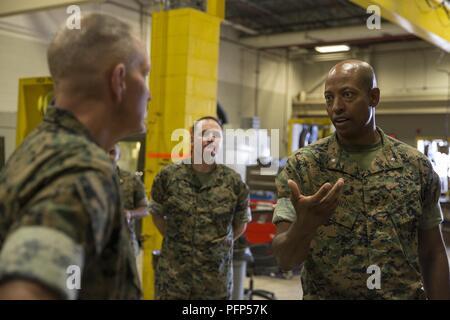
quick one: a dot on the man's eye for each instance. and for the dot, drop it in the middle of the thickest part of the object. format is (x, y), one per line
(212, 134)
(348, 94)
(328, 98)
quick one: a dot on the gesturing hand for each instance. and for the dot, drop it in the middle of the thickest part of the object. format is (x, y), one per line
(314, 211)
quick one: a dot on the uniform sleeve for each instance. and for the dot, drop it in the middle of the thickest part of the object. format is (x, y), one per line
(431, 209)
(242, 213)
(65, 219)
(43, 255)
(284, 210)
(158, 194)
(139, 196)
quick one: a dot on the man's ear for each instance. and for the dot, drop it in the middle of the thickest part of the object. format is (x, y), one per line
(374, 97)
(118, 85)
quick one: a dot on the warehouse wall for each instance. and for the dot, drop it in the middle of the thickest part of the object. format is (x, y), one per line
(407, 127)
(23, 41)
(244, 93)
(413, 74)
(19, 58)
(230, 85)
(406, 72)
(403, 70)
(8, 131)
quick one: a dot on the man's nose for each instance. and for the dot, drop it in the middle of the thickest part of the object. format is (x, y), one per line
(338, 106)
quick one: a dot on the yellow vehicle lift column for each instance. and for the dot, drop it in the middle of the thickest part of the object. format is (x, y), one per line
(428, 20)
(34, 96)
(183, 84)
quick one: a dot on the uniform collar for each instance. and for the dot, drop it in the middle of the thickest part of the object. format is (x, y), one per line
(67, 120)
(216, 176)
(338, 158)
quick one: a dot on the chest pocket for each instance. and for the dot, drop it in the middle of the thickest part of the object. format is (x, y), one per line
(406, 212)
(350, 204)
(181, 200)
(349, 207)
(396, 194)
(215, 213)
(397, 209)
(179, 209)
(180, 220)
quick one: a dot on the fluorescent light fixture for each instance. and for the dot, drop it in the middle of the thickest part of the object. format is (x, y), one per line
(329, 49)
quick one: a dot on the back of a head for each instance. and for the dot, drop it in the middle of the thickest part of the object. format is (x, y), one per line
(82, 56)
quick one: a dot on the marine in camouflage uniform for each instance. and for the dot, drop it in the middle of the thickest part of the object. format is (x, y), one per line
(197, 250)
(133, 196)
(60, 206)
(376, 222)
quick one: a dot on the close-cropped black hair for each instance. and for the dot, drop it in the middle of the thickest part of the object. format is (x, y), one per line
(206, 118)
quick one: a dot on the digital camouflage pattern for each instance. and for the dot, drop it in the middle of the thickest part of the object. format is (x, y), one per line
(197, 250)
(376, 222)
(132, 192)
(60, 205)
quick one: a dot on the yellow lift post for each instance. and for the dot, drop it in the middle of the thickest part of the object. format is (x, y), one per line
(183, 84)
(34, 97)
(428, 19)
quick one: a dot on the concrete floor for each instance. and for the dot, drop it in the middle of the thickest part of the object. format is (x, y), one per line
(284, 289)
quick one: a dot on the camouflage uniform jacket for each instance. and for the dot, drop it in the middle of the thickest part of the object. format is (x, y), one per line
(60, 207)
(376, 222)
(196, 256)
(133, 196)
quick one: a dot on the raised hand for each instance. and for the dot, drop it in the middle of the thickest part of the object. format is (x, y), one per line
(314, 211)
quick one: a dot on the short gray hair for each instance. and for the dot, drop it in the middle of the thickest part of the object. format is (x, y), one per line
(85, 54)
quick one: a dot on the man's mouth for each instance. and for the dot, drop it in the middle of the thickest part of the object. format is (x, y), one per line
(340, 120)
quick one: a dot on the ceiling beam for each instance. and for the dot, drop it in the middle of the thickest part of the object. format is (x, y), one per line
(322, 36)
(12, 7)
(428, 19)
(261, 11)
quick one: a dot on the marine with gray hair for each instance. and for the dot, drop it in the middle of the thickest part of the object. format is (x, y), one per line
(62, 232)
